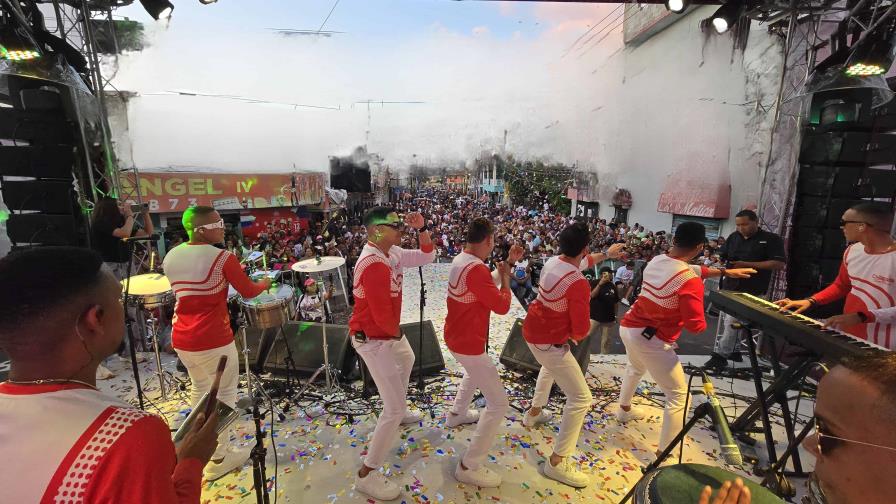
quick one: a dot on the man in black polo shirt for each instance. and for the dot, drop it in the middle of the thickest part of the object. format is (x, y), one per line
(748, 247)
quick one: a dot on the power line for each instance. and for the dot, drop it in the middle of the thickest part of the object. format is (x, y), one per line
(571, 47)
(607, 34)
(328, 16)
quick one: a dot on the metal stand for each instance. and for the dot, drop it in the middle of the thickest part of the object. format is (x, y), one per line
(700, 411)
(421, 383)
(129, 322)
(166, 379)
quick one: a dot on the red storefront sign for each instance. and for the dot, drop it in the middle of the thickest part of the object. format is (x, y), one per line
(175, 192)
(708, 196)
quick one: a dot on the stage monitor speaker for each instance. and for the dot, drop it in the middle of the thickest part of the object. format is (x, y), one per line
(305, 339)
(259, 346)
(433, 361)
(517, 356)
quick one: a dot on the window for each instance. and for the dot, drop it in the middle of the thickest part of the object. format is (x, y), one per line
(621, 215)
(713, 226)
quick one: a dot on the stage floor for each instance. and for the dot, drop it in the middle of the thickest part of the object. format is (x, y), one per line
(318, 454)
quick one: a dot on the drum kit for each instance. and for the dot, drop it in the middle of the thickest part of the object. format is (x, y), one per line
(151, 294)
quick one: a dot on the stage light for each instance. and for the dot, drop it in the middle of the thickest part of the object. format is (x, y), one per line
(206, 2)
(872, 57)
(728, 14)
(677, 6)
(158, 9)
(14, 48)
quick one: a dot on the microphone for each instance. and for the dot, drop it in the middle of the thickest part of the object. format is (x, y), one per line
(729, 448)
(152, 237)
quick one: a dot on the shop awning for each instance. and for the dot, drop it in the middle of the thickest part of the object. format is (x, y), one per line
(708, 197)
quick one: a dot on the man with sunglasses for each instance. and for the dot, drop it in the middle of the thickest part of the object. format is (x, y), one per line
(867, 277)
(199, 273)
(375, 334)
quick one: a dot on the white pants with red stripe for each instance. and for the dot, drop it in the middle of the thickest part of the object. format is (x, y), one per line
(560, 365)
(659, 359)
(202, 366)
(389, 363)
(480, 372)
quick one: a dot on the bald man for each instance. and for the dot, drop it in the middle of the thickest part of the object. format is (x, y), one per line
(64, 440)
(199, 274)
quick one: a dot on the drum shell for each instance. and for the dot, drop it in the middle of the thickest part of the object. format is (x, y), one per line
(270, 313)
(152, 301)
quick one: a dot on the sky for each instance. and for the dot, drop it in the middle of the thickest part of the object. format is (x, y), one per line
(476, 69)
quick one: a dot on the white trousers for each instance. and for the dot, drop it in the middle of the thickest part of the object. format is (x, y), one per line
(202, 366)
(659, 359)
(389, 363)
(558, 364)
(480, 372)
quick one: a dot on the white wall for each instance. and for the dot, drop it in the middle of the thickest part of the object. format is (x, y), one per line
(685, 101)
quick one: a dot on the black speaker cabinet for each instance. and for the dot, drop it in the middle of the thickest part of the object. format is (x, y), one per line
(305, 340)
(259, 346)
(433, 361)
(517, 356)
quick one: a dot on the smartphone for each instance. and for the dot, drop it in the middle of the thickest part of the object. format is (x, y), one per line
(139, 208)
(213, 393)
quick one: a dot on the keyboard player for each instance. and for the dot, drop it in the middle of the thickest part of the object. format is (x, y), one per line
(867, 277)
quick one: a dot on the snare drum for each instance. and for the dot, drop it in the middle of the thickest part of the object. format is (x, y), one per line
(152, 290)
(683, 483)
(270, 309)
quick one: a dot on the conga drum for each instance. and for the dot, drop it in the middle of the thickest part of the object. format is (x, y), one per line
(682, 484)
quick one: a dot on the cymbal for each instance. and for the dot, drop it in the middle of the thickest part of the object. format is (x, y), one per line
(318, 264)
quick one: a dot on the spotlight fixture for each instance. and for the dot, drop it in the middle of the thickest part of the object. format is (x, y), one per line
(677, 6)
(206, 2)
(872, 57)
(728, 14)
(158, 9)
(14, 48)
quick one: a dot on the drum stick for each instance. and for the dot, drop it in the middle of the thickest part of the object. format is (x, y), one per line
(213, 393)
(152, 260)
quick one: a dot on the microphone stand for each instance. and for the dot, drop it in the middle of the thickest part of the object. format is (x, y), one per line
(129, 322)
(421, 383)
(700, 411)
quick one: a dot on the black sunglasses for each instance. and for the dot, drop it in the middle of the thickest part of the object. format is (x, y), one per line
(845, 222)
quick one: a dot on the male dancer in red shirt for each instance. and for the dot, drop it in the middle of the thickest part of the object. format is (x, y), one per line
(199, 274)
(558, 315)
(374, 326)
(65, 441)
(867, 277)
(671, 299)
(472, 296)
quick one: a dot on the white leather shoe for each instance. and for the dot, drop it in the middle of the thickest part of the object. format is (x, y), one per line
(635, 413)
(470, 416)
(566, 472)
(412, 417)
(376, 485)
(104, 373)
(481, 476)
(531, 421)
(233, 459)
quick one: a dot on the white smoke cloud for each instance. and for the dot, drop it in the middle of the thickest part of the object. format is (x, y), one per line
(473, 86)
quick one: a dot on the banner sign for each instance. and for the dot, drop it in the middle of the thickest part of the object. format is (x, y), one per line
(176, 191)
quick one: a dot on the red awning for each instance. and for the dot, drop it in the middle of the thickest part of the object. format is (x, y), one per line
(706, 197)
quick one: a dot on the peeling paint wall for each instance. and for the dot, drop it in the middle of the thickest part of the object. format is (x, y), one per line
(685, 103)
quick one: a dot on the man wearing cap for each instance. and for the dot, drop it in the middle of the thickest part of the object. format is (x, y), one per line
(376, 337)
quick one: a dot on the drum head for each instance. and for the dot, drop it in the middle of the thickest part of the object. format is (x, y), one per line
(147, 285)
(277, 295)
(684, 482)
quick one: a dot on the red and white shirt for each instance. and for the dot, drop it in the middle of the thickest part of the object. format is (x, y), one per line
(377, 287)
(561, 310)
(868, 282)
(671, 299)
(69, 444)
(199, 276)
(472, 296)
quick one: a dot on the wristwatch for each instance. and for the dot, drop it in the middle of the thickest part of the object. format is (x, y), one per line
(863, 316)
(724, 271)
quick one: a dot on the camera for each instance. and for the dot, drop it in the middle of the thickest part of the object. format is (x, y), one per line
(139, 208)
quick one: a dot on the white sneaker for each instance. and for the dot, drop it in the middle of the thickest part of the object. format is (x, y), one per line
(544, 416)
(233, 459)
(127, 357)
(471, 416)
(626, 302)
(481, 477)
(635, 413)
(566, 472)
(376, 485)
(104, 373)
(412, 417)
